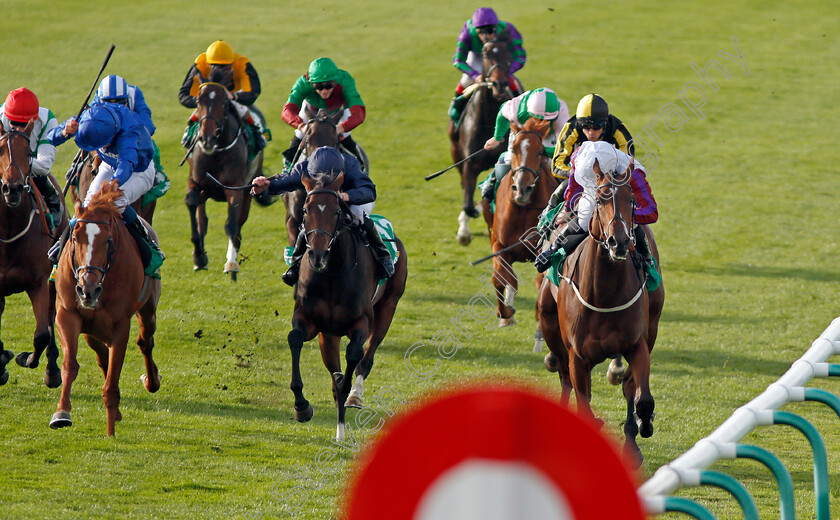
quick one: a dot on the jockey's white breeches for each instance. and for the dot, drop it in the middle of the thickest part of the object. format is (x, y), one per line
(134, 188)
(359, 211)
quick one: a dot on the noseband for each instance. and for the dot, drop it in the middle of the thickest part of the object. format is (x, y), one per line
(613, 187)
(309, 234)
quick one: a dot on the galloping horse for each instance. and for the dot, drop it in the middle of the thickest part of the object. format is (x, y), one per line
(521, 196)
(477, 124)
(319, 131)
(221, 151)
(24, 241)
(89, 167)
(601, 309)
(337, 296)
(100, 286)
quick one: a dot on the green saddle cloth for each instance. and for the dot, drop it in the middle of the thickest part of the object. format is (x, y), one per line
(652, 279)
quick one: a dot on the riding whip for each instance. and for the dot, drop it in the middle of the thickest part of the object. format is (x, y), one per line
(535, 234)
(95, 83)
(231, 188)
(465, 159)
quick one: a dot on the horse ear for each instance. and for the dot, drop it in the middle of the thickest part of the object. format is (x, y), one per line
(597, 169)
(77, 207)
(335, 185)
(308, 182)
(29, 125)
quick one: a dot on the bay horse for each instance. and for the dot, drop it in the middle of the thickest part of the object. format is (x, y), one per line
(337, 296)
(100, 285)
(477, 124)
(222, 151)
(90, 162)
(320, 130)
(601, 309)
(520, 198)
(25, 239)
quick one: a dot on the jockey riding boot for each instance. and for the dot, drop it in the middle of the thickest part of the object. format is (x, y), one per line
(54, 252)
(290, 152)
(488, 190)
(378, 247)
(457, 106)
(51, 197)
(568, 239)
(290, 277)
(642, 245)
(187, 138)
(150, 254)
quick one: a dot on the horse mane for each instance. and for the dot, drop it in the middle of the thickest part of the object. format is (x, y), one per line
(540, 126)
(104, 201)
(321, 179)
(220, 76)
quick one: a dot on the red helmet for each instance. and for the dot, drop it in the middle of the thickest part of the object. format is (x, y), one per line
(21, 105)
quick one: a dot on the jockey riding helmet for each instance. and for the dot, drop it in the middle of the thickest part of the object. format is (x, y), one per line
(21, 105)
(97, 127)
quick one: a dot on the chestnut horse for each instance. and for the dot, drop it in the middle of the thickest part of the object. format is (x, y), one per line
(24, 241)
(90, 162)
(319, 131)
(100, 285)
(476, 127)
(520, 198)
(601, 309)
(222, 151)
(337, 296)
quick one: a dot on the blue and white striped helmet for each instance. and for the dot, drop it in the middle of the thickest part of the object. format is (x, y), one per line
(113, 88)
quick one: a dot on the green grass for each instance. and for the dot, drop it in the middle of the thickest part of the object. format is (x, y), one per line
(746, 235)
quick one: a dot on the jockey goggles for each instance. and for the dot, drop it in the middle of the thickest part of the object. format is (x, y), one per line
(589, 125)
(326, 85)
(486, 29)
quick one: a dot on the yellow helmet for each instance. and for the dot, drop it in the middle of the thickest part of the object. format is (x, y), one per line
(220, 53)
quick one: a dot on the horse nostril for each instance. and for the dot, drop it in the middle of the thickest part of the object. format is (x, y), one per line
(97, 292)
(80, 292)
(612, 243)
(515, 187)
(5, 189)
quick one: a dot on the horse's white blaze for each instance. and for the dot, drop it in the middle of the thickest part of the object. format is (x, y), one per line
(339, 432)
(92, 230)
(212, 95)
(493, 490)
(231, 252)
(358, 387)
(510, 292)
(322, 207)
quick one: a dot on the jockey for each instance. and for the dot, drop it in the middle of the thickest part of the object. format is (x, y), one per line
(122, 142)
(115, 89)
(242, 83)
(328, 87)
(582, 192)
(541, 103)
(483, 27)
(357, 190)
(21, 107)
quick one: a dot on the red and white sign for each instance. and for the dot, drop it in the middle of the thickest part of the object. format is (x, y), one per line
(492, 452)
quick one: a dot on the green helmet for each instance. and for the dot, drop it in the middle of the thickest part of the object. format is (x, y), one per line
(322, 69)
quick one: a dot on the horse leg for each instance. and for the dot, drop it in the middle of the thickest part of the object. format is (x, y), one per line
(616, 371)
(639, 361)
(353, 355)
(300, 332)
(101, 350)
(198, 226)
(44, 336)
(557, 359)
(147, 325)
(5, 355)
(383, 315)
(581, 374)
(234, 200)
(68, 330)
(504, 280)
(111, 388)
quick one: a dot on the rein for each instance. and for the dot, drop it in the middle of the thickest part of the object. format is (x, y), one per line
(318, 231)
(220, 124)
(8, 138)
(25, 230)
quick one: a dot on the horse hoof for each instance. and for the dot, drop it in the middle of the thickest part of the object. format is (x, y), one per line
(52, 378)
(615, 375)
(4, 377)
(147, 383)
(644, 409)
(472, 211)
(60, 420)
(551, 363)
(305, 414)
(5, 357)
(507, 322)
(633, 455)
(353, 402)
(231, 267)
(200, 261)
(22, 359)
(464, 239)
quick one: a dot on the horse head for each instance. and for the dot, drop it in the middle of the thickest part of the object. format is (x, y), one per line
(526, 159)
(615, 206)
(92, 249)
(212, 111)
(15, 161)
(323, 212)
(496, 60)
(321, 130)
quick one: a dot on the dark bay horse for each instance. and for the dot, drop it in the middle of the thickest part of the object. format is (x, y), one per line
(319, 131)
(100, 285)
(222, 151)
(602, 310)
(90, 162)
(337, 296)
(520, 198)
(477, 124)
(24, 241)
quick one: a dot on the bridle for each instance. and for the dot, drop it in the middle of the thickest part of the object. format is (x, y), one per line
(613, 187)
(220, 123)
(8, 138)
(486, 76)
(109, 259)
(340, 223)
(521, 167)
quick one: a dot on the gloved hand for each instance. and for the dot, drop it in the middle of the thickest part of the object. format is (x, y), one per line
(121, 175)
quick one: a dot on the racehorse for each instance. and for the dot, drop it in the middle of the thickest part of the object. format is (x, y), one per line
(100, 285)
(24, 240)
(88, 166)
(222, 151)
(521, 196)
(320, 130)
(337, 296)
(476, 126)
(601, 309)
